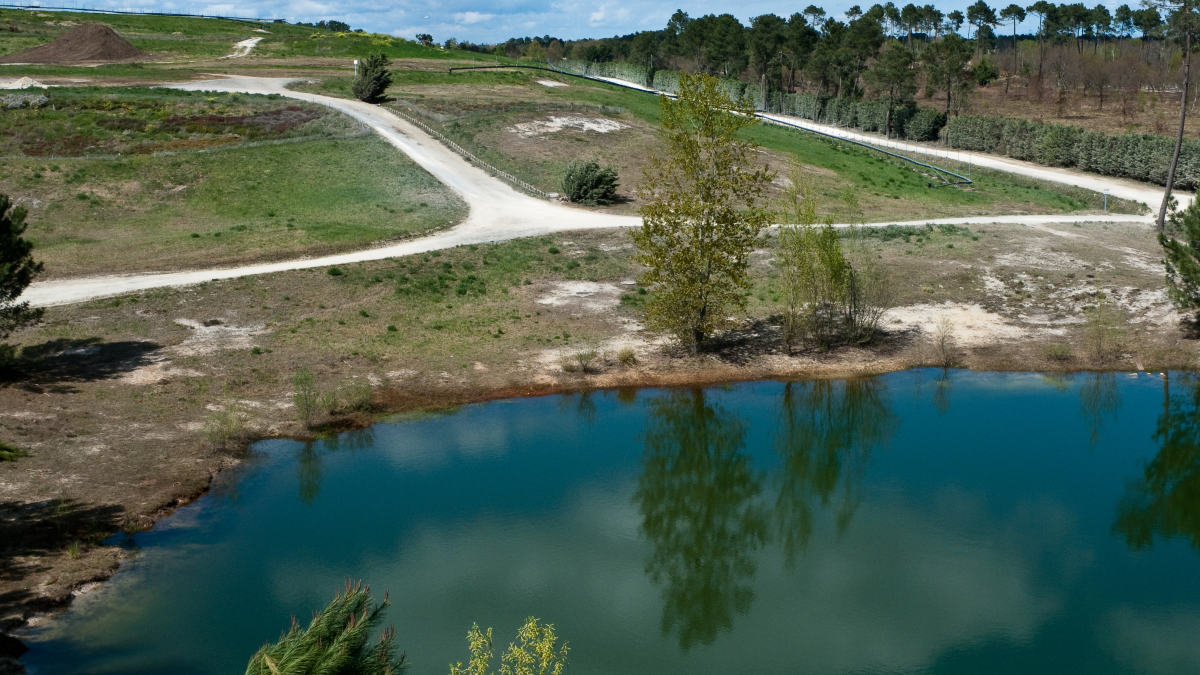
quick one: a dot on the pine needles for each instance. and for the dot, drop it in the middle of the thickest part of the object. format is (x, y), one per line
(335, 643)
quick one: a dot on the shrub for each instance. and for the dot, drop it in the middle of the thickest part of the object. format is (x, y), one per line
(1058, 352)
(585, 359)
(9, 453)
(1141, 157)
(588, 183)
(335, 272)
(924, 125)
(984, 72)
(373, 78)
(627, 357)
(225, 427)
(357, 395)
(537, 652)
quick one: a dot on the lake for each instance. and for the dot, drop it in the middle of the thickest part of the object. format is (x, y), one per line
(918, 522)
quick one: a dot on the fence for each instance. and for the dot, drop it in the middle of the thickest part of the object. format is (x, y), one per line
(517, 182)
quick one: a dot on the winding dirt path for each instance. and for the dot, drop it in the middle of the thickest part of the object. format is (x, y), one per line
(497, 211)
(243, 48)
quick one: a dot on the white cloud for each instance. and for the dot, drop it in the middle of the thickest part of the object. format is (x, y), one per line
(468, 18)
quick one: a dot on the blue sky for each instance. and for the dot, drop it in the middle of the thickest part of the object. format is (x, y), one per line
(498, 20)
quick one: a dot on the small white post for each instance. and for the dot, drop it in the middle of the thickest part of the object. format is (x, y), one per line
(356, 67)
(1106, 200)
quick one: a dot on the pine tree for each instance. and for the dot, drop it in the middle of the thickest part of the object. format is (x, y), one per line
(373, 78)
(335, 643)
(17, 270)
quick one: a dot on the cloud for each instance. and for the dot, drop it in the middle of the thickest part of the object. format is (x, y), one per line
(468, 18)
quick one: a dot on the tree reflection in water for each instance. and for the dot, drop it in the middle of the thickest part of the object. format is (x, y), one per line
(1166, 502)
(1099, 398)
(828, 431)
(698, 499)
(310, 465)
(699, 496)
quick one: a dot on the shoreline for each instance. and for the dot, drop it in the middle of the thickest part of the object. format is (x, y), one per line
(392, 401)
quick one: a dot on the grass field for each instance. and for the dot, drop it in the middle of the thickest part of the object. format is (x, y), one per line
(481, 110)
(228, 206)
(178, 37)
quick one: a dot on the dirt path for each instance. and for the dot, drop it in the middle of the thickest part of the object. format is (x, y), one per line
(243, 48)
(1149, 195)
(497, 211)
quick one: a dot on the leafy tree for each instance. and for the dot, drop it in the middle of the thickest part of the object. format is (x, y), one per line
(1181, 253)
(765, 41)
(425, 39)
(703, 211)
(980, 15)
(589, 183)
(373, 77)
(335, 642)
(17, 271)
(799, 39)
(892, 76)
(537, 654)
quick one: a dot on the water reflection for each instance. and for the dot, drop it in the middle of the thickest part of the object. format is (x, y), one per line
(697, 496)
(1099, 398)
(828, 431)
(310, 465)
(941, 392)
(1166, 502)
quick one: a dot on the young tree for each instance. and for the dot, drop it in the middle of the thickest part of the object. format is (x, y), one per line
(373, 78)
(892, 75)
(335, 643)
(17, 271)
(703, 211)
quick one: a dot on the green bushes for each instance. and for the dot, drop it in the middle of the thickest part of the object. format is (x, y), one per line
(588, 183)
(373, 78)
(1142, 157)
(9, 453)
(924, 125)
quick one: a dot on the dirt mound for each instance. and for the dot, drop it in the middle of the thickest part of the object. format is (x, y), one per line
(89, 42)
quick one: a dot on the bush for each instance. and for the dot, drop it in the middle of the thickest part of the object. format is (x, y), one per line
(356, 394)
(924, 125)
(10, 453)
(1058, 352)
(307, 396)
(627, 357)
(373, 78)
(225, 426)
(1142, 157)
(984, 72)
(588, 183)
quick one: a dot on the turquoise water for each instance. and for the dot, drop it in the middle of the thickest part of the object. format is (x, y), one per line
(918, 522)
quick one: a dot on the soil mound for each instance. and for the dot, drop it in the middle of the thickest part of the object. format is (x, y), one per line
(89, 42)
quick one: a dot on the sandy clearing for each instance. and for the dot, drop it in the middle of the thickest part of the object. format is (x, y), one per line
(555, 124)
(551, 83)
(243, 48)
(972, 324)
(497, 212)
(22, 83)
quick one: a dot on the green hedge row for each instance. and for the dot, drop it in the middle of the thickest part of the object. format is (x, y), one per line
(1143, 157)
